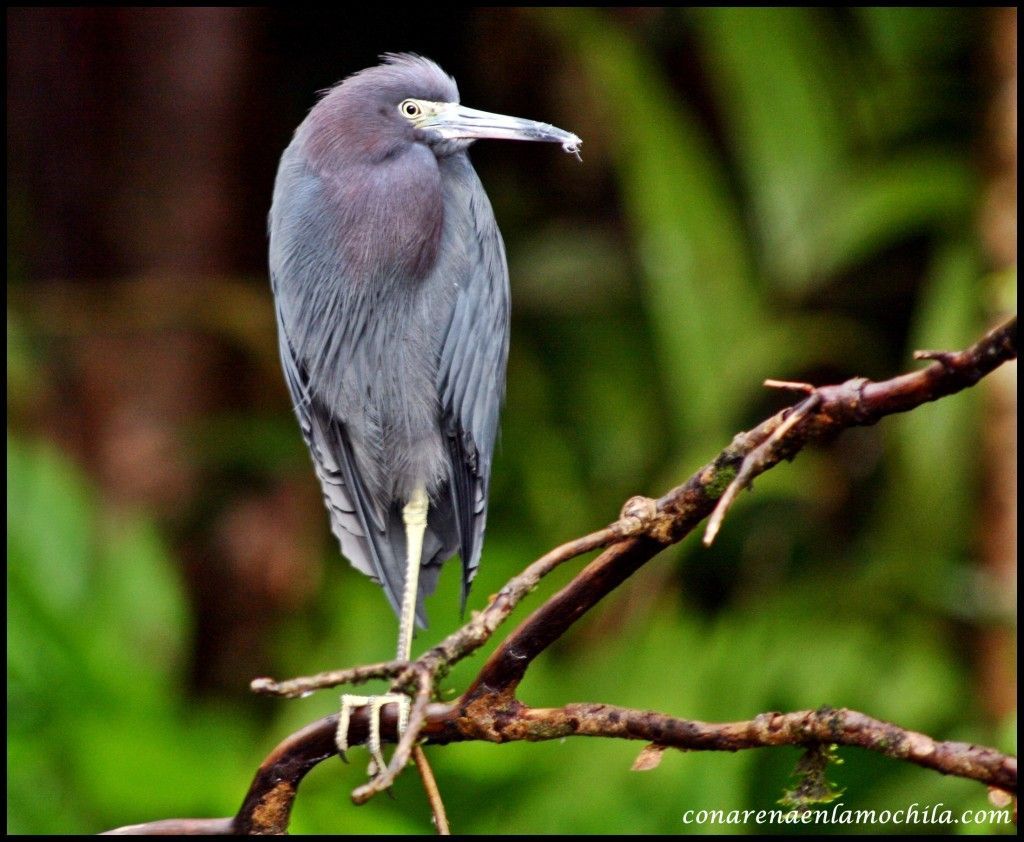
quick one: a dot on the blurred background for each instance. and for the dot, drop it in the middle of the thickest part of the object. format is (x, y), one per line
(801, 194)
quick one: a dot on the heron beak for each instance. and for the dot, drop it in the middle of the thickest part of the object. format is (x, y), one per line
(453, 121)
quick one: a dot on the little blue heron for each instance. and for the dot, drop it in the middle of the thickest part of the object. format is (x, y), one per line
(392, 301)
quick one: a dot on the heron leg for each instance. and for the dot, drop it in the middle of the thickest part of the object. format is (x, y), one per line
(414, 515)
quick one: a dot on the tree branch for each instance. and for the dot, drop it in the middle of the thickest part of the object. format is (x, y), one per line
(488, 709)
(268, 805)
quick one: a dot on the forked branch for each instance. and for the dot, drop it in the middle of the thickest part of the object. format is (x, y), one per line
(488, 709)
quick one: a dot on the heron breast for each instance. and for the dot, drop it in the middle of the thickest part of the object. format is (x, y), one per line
(391, 215)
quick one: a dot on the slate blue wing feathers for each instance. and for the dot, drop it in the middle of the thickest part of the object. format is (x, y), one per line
(471, 376)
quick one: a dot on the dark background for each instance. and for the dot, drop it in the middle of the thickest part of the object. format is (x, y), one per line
(798, 194)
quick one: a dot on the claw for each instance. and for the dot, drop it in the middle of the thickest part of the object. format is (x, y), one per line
(373, 735)
(344, 716)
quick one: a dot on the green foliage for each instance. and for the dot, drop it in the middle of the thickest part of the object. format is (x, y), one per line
(97, 628)
(811, 785)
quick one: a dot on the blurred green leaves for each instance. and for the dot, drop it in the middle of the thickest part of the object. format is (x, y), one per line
(829, 186)
(97, 632)
(697, 278)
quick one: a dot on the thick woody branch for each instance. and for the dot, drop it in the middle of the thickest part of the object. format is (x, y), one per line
(825, 725)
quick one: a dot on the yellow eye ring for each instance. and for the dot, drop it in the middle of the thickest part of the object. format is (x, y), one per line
(410, 108)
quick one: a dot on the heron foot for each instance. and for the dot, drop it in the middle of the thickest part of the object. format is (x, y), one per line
(373, 742)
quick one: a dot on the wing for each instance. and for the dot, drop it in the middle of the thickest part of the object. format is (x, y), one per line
(371, 539)
(471, 375)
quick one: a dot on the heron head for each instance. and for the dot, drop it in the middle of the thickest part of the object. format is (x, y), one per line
(409, 100)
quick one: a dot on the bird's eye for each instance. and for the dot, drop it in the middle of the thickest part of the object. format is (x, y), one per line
(410, 108)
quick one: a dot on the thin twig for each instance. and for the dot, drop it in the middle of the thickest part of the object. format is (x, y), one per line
(789, 385)
(177, 827)
(296, 687)
(419, 757)
(758, 457)
(462, 642)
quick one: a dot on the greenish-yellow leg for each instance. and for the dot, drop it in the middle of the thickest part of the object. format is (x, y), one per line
(414, 515)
